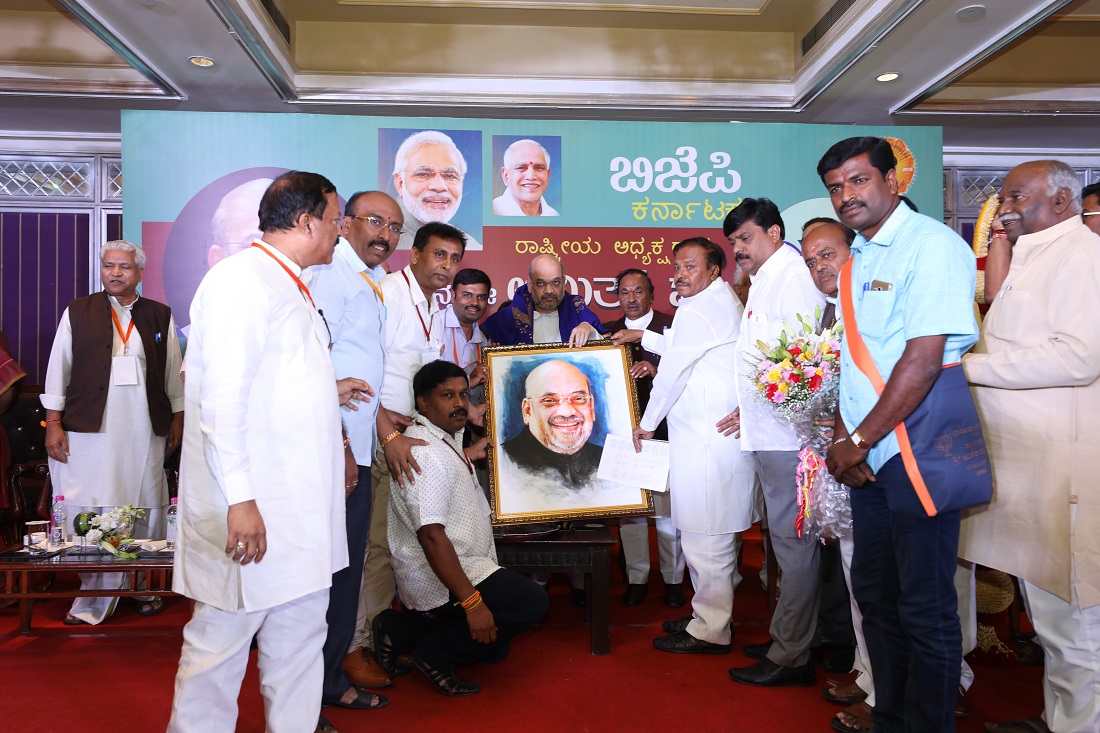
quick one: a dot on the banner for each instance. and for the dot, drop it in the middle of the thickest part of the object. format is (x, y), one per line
(603, 196)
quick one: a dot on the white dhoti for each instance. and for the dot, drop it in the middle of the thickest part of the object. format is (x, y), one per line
(712, 563)
(215, 654)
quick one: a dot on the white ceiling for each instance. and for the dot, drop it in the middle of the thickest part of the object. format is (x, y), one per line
(1023, 75)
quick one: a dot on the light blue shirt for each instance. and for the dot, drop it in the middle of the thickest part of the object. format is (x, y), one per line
(926, 274)
(356, 321)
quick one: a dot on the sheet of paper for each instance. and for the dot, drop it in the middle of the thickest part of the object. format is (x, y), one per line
(647, 470)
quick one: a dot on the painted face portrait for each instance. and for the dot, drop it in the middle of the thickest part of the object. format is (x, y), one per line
(559, 409)
(430, 184)
(526, 172)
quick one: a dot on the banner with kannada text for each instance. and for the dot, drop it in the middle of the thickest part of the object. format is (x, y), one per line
(612, 194)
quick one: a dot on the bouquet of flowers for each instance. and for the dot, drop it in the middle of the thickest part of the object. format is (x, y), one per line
(111, 531)
(799, 377)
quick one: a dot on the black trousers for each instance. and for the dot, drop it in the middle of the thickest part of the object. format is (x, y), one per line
(343, 598)
(441, 637)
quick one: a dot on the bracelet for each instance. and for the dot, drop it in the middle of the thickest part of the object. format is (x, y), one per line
(43, 423)
(840, 440)
(472, 608)
(391, 436)
(347, 442)
(472, 602)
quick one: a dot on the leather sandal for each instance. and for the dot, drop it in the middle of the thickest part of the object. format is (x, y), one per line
(861, 715)
(385, 653)
(843, 693)
(324, 726)
(447, 683)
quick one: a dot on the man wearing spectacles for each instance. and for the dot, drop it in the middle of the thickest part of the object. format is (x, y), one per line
(349, 296)
(428, 172)
(559, 412)
(1090, 206)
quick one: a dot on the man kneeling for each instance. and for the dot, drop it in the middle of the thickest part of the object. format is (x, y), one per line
(462, 606)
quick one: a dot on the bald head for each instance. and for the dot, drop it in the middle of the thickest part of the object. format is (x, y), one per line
(236, 221)
(825, 248)
(546, 281)
(558, 408)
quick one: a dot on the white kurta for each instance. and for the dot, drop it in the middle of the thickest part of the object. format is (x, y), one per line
(710, 479)
(123, 463)
(263, 423)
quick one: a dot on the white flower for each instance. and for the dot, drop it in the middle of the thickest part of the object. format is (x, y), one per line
(94, 536)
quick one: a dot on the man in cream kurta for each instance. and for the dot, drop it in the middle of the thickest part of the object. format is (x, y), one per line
(1036, 380)
(710, 479)
(261, 525)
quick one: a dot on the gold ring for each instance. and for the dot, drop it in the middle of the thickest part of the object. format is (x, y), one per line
(240, 545)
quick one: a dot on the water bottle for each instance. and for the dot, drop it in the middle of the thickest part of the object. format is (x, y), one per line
(173, 510)
(58, 523)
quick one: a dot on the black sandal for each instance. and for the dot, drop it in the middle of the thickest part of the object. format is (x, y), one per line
(385, 653)
(447, 683)
(324, 726)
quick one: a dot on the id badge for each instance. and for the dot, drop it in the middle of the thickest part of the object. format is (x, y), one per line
(427, 356)
(124, 370)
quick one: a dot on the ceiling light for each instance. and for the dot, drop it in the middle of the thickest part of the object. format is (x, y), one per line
(970, 12)
(147, 3)
(202, 62)
(888, 76)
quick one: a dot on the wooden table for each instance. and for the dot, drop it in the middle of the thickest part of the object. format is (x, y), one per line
(17, 574)
(587, 550)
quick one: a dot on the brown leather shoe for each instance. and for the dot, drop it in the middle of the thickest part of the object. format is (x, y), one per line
(962, 704)
(362, 670)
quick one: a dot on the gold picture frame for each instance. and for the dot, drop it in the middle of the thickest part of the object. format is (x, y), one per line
(546, 448)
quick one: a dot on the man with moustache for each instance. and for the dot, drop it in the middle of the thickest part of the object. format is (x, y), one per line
(462, 337)
(413, 337)
(1035, 375)
(349, 297)
(463, 607)
(107, 429)
(526, 173)
(1090, 206)
(912, 282)
(428, 173)
(710, 479)
(541, 313)
(635, 291)
(261, 522)
(782, 290)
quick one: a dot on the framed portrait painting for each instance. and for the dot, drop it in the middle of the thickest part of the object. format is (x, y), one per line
(550, 410)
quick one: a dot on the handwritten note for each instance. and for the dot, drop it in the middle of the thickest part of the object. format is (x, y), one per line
(647, 470)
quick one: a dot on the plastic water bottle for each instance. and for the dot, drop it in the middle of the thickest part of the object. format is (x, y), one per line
(58, 522)
(173, 510)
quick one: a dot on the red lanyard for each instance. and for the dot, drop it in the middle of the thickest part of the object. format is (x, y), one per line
(454, 350)
(118, 326)
(427, 328)
(301, 285)
(461, 456)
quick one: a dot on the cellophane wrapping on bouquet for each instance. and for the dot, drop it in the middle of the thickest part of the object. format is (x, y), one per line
(799, 377)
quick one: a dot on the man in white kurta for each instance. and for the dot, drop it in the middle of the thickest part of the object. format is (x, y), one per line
(123, 461)
(710, 479)
(1035, 374)
(261, 524)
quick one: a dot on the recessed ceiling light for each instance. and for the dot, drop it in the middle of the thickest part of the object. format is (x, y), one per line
(203, 62)
(970, 12)
(888, 76)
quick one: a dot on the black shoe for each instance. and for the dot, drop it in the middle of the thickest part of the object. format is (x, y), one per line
(840, 661)
(676, 625)
(635, 594)
(578, 596)
(674, 595)
(684, 643)
(767, 673)
(363, 700)
(757, 651)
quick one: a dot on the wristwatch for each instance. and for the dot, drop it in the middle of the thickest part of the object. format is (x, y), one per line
(858, 441)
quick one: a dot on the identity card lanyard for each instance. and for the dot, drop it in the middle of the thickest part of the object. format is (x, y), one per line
(462, 456)
(377, 290)
(298, 281)
(454, 349)
(427, 328)
(124, 336)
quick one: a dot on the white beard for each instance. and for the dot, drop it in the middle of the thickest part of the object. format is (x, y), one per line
(421, 212)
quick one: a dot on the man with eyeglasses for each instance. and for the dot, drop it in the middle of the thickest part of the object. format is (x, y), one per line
(541, 313)
(559, 412)
(349, 296)
(428, 172)
(1090, 206)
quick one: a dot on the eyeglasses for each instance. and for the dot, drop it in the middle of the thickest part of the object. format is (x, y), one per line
(1090, 213)
(377, 223)
(556, 283)
(577, 399)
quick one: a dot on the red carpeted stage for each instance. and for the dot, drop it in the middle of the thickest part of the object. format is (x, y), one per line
(119, 677)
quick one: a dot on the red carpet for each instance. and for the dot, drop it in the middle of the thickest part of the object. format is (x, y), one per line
(119, 677)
